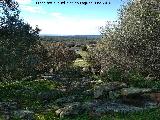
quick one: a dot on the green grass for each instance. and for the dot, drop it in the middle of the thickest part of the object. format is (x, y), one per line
(81, 62)
(138, 80)
(84, 54)
(152, 114)
(26, 92)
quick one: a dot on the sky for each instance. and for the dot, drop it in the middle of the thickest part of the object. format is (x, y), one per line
(69, 18)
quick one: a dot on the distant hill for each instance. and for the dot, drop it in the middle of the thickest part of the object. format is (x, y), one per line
(86, 36)
(70, 38)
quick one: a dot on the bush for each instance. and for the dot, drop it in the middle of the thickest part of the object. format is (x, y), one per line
(84, 48)
(20, 50)
(114, 74)
(133, 43)
(59, 56)
(78, 56)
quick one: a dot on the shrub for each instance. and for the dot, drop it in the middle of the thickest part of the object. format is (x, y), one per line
(133, 43)
(114, 74)
(19, 47)
(84, 48)
(79, 56)
(59, 56)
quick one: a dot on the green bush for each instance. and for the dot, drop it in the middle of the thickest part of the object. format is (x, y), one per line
(114, 74)
(20, 50)
(84, 48)
(133, 43)
(59, 56)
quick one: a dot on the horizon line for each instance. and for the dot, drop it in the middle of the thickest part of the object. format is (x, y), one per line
(67, 35)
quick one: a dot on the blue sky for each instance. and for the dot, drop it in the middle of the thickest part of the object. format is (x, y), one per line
(69, 19)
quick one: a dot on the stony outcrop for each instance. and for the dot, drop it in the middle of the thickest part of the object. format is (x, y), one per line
(132, 90)
(105, 89)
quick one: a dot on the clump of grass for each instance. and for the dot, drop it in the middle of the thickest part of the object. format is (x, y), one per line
(25, 93)
(137, 80)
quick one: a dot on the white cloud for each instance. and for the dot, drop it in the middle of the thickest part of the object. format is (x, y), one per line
(24, 1)
(68, 26)
(25, 5)
(32, 9)
(56, 15)
(57, 23)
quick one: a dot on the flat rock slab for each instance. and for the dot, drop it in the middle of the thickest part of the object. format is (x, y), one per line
(132, 90)
(114, 86)
(106, 88)
(116, 107)
(99, 107)
(104, 107)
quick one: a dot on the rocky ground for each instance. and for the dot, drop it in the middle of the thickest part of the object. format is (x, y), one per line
(76, 95)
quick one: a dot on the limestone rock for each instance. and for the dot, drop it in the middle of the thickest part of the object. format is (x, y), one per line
(132, 90)
(106, 88)
(24, 114)
(116, 107)
(101, 107)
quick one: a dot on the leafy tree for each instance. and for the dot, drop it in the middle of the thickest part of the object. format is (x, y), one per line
(133, 43)
(9, 3)
(18, 46)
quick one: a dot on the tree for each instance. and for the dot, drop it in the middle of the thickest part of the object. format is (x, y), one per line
(133, 44)
(19, 46)
(9, 3)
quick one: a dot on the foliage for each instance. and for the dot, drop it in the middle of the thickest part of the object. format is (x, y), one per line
(84, 48)
(28, 94)
(113, 74)
(138, 80)
(78, 56)
(20, 50)
(59, 56)
(133, 43)
(9, 3)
